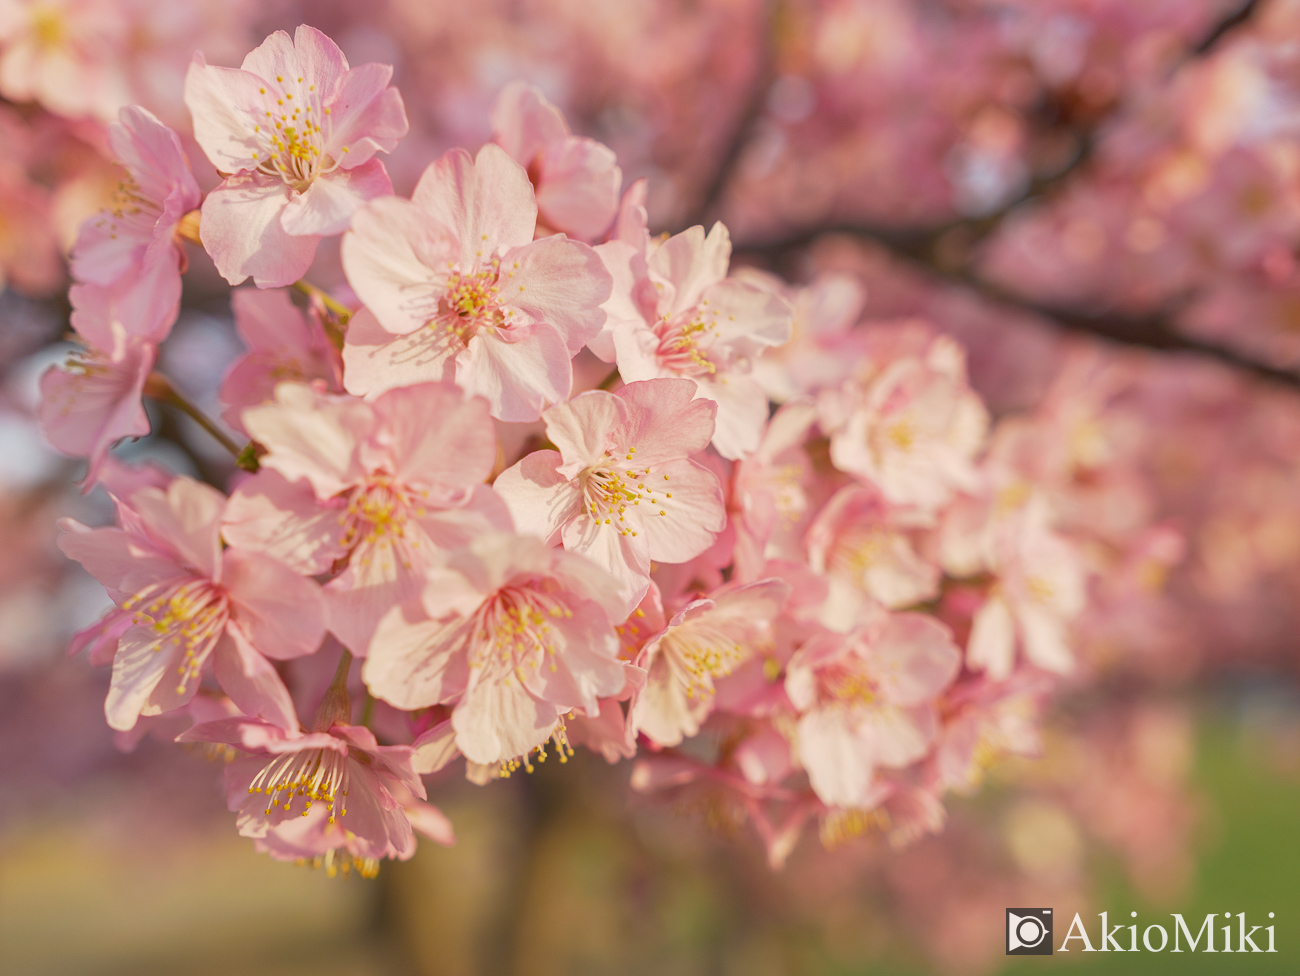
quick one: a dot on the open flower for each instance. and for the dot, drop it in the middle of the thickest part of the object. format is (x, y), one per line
(622, 489)
(675, 313)
(93, 400)
(516, 635)
(912, 428)
(324, 795)
(705, 640)
(867, 700)
(460, 290)
(127, 260)
(384, 486)
(192, 601)
(295, 129)
(576, 179)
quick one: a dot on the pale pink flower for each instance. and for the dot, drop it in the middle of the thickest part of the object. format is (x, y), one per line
(576, 179)
(912, 428)
(460, 290)
(986, 721)
(296, 130)
(516, 635)
(326, 794)
(622, 489)
(62, 54)
(823, 347)
(284, 344)
(1040, 589)
(674, 312)
(770, 492)
(866, 700)
(703, 642)
(385, 485)
(867, 547)
(94, 400)
(191, 601)
(127, 259)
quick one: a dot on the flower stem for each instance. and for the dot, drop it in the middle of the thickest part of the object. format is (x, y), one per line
(335, 705)
(609, 381)
(159, 388)
(340, 311)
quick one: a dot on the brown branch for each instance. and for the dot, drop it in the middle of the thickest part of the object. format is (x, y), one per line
(1155, 332)
(1229, 23)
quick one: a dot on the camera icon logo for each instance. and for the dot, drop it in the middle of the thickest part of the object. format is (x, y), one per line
(1029, 931)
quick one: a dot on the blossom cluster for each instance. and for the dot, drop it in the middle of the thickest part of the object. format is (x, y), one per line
(769, 552)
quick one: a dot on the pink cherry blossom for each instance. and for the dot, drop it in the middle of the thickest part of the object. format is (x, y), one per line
(912, 428)
(460, 290)
(622, 489)
(866, 701)
(868, 548)
(94, 400)
(326, 794)
(127, 260)
(1040, 589)
(284, 344)
(516, 635)
(703, 642)
(191, 601)
(675, 313)
(383, 486)
(296, 129)
(577, 180)
(60, 53)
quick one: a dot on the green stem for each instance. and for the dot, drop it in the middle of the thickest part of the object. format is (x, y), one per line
(159, 388)
(336, 307)
(609, 380)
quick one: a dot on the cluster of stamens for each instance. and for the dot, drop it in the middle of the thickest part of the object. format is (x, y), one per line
(375, 512)
(312, 775)
(189, 615)
(516, 626)
(471, 303)
(292, 133)
(847, 683)
(559, 737)
(700, 652)
(685, 341)
(611, 486)
(131, 209)
(338, 862)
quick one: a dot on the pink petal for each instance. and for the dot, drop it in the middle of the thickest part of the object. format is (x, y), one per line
(615, 550)
(435, 748)
(381, 573)
(366, 116)
(141, 304)
(252, 682)
(540, 499)
(436, 436)
(326, 207)
(431, 822)
(224, 102)
(153, 154)
(691, 519)
(281, 613)
(242, 231)
(283, 519)
(577, 188)
(518, 379)
(312, 436)
(991, 647)
(497, 719)
(139, 669)
(524, 122)
(116, 559)
(691, 262)
(664, 420)
(415, 662)
(899, 736)
(375, 360)
(560, 282)
(839, 761)
(914, 659)
(186, 520)
(584, 428)
(742, 414)
(486, 202)
(587, 667)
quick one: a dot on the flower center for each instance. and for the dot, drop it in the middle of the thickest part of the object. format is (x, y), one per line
(847, 682)
(189, 616)
(515, 632)
(471, 302)
(292, 130)
(312, 775)
(611, 486)
(700, 652)
(686, 340)
(48, 27)
(377, 510)
(130, 213)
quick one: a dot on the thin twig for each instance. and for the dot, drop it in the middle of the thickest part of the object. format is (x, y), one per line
(159, 388)
(340, 311)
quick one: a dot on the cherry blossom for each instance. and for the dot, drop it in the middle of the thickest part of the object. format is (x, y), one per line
(127, 260)
(866, 701)
(616, 451)
(703, 642)
(190, 601)
(459, 290)
(675, 313)
(325, 795)
(382, 487)
(297, 130)
(515, 635)
(577, 180)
